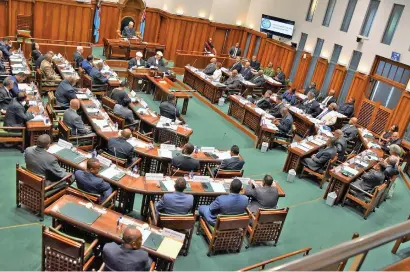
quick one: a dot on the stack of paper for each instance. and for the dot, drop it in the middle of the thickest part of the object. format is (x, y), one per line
(222, 155)
(352, 171)
(82, 96)
(302, 147)
(55, 148)
(169, 184)
(218, 187)
(165, 153)
(111, 172)
(137, 143)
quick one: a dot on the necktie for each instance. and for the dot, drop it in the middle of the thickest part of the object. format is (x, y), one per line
(323, 114)
(236, 50)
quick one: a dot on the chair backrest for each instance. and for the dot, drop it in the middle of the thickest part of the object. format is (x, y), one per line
(39, 77)
(60, 252)
(270, 216)
(141, 136)
(117, 119)
(87, 81)
(229, 174)
(330, 163)
(81, 194)
(49, 111)
(176, 222)
(225, 222)
(121, 162)
(181, 173)
(30, 179)
(108, 102)
(51, 98)
(64, 131)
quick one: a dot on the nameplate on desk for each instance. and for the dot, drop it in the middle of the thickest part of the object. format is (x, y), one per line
(201, 178)
(88, 92)
(208, 149)
(133, 94)
(64, 144)
(170, 147)
(82, 96)
(173, 234)
(163, 119)
(293, 144)
(103, 160)
(154, 176)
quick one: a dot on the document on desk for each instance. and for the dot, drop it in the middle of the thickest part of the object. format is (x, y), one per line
(111, 172)
(82, 96)
(165, 153)
(218, 187)
(352, 171)
(222, 155)
(55, 148)
(170, 247)
(169, 184)
(38, 118)
(23, 86)
(137, 143)
(302, 147)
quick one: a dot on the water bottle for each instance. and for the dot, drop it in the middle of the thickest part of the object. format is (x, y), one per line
(135, 170)
(191, 174)
(94, 154)
(196, 149)
(116, 126)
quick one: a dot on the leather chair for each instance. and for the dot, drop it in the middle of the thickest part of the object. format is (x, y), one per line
(322, 177)
(121, 162)
(95, 198)
(85, 142)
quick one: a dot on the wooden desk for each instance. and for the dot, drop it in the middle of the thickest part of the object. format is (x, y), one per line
(20, 61)
(200, 60)
(37, 128)
(121, 48)
(265, 134)
(105, 226)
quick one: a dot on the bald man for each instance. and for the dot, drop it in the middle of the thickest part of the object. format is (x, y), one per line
(341, 144)
(329, 99)
(210, 68)
(177, 202)
(78, 56)
(128, 256)
(73, 120)
(120, 148)
(235, 51)
(41, 58)
(129, 31)
(350, 130)
(42, 163)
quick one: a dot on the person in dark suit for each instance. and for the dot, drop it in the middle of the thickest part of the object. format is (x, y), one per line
(235, 51)
(41, 58)
(289, 96)
(311, 106)
(43, 163)
(177, 202)
(265, 197)
(275, 110)
(311, 88)
(329, 99)
(90, 183)
(16, 114)
(5, 94)
(137, 61)
(170, 110)
(348, 108)
(231, 204)
(184, 161)
(97, 76)
(78, 56)
(209, 48)
(120, 148)
(285, 123)
(233, 163)
(87, 64)
(66, 92)
(246, 71)
(258, 79)
(391, 167)
(129, 31)
(237, 65)
(19, 78)
(125, 112)
(119, 93)
(3, 69)
(156, 61)
(5, 46)
(394, 139)
(264, 103)
(233, 82)
(372, 178)
(129, 256)
(255, 64)
(35, 53)
(210, 68)
(280, 76)
(350, 130)
(319, 160)
(341, 144)
(72, 120)
(386, 135)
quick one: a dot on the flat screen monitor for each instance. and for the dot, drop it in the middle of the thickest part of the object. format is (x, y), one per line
(277, 26)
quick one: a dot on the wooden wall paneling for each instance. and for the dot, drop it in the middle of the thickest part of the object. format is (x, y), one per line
(357, 89)
(401, 113)
(380, 119)
(261, 49)
(152, 26)
(163, 30)
(338, 78)
(302, 70)
(320, 72)
(219, 39)
(252, 45)
(3, 16)
(18, 7)
(109, 23)
(279, 54)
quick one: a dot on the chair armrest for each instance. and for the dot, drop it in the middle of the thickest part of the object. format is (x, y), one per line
(13, 128)
(109, 198)
(362, 191)
(137, 161)
(83, 137)
(153, 213)
(133, 124)
(91, 247)
(50, 80)
(148, 133)
(250, 214)
(152, 268)
(58, 182)
(210, 171)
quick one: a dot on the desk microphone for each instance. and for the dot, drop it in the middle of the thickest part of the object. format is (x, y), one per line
(116, 159)
(92, 203)
(176, 171)
(76, 134)
(193, 64)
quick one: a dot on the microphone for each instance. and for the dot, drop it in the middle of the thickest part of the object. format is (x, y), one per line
(92, 203)
(76, 134)
(116, 159)
(142, 88)
(175, 172)
(193, 64)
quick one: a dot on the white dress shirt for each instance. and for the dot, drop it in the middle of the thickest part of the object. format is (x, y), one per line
(330, 118)
(324, 102)
(216, 76)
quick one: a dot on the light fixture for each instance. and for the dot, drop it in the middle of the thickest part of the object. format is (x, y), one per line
(180, 11)
(202, 14)
(165, 7)
(250, 25)
(239, 23)
(325, 55)
(363, 69)
(342, 62)
(211, 17)
(308, 49)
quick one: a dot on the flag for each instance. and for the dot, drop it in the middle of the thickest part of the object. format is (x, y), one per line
(142, 24)
(97, 21)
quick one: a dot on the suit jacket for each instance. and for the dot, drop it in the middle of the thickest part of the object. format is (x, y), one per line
(347, 109)
(258, 80)
(234, 163)
(175, 203)
(169, 110)
(78, 58)
(209, 69)
(185, 163)
(152, 61)
(285, 124)
(35, 54)
(225, 204)
(232, 52)
(233, 83)
(311, 89)
(98, 77)
(281, 78)
(313, 108)
(90, 183)
(369, 180)
(118, 258)
(265, 197)
(133, 62)
(47, 70)
(5, 49)
(16, 115)
(330, 118)
(123, 149)
(125, 113)
(86, 65)
(341, 145)
(264, 103)
(44, 164)
(349, 132)
(2, 67)
(255, 65)
(391, 171)
(385, 147)
(40, 60)
(74, 122)
(5, 98)
(236, 66)
(321, 158)
(128, 32)
(15, 90)
(246, 73)
(65, 93)
(328, 99)
(118, 95)
(289, 97)
(275, 111)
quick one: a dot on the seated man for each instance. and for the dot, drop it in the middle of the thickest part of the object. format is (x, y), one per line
(216, 76)
(285, 124)
(329, 99)
(125, 112)
(97, 76)
(17, 114)
(233, 82)
(311, 106)
(268, 70)
(255, 64)
(66, 92)
(120, 148)
(72, 120)
(264, 103)
(41, 58)
(233, 163)
(170, 110)
(48, 72)
(184, 161)
(87, 64)
(3, 67)
(129, 31)
(137, 61)
(156, 61)
(311, 88)
(395, 151)
(275, 111)
(290, 96)
(391, 167)
(280, 76)
(265, 197)
(319, 160)
(386, 135)
(246, 71)
(258, 80)
(237, 65)
(231, 204)
(235, 51)
(42, 163)
(119, 93)
(35, 54)
(329, 115)
(348, 108)
(90, 183)
(341, 144)
(5, 46)
(394, 139)
(350, 130)
(177, 202)
(78, 56)
(129, 256)
(209, 48)
(5, 94)
(210, 68)
(19, 78)
(372, 178)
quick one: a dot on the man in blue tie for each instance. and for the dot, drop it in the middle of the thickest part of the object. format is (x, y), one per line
(177, 202)
(87, 64)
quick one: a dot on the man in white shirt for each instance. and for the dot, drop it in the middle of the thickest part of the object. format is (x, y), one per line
(329, 115)
(216, 76)
(329, 99)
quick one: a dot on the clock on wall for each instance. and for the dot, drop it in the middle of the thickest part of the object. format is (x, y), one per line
(266, 24)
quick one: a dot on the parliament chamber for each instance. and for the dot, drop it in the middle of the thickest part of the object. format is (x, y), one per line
(217, 135)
